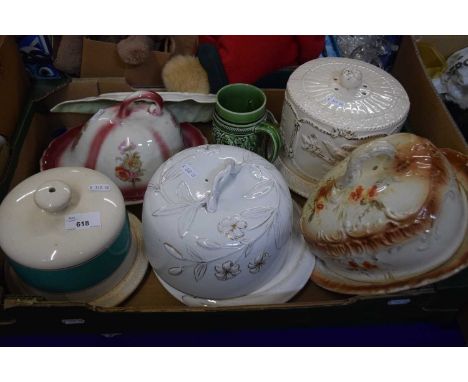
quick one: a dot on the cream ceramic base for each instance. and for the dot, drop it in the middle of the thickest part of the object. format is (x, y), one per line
(285, 285)
(295, 182)
(110, 292)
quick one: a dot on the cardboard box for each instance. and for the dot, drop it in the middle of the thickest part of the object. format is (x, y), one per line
(100, 59)
(151, 307)
(429, 116)
(13, 84)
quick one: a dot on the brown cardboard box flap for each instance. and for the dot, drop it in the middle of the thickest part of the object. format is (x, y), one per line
(428, 115)
(100, 59)
(445, 45)
(13, 84)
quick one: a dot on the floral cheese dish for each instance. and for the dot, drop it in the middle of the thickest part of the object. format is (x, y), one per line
(216, 221)
(127, 142)
(392, 210)
(331, 106)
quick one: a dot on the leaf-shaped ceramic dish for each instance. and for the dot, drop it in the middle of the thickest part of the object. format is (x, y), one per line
(186, 107)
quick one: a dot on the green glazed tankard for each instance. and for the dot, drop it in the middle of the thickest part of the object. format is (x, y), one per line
(241, 119)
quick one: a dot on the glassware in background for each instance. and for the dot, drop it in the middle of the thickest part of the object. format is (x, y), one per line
(378, 50)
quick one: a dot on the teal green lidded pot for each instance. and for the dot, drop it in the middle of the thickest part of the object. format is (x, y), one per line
(65, 229)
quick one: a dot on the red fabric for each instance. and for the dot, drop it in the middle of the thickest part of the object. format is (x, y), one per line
(310, 47)
(249, 58)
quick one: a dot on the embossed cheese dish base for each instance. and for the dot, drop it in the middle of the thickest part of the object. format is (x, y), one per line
(330, 280)
(98, 295)
(296, 183)
(281, 288)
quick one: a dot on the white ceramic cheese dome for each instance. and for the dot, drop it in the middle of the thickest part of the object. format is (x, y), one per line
(126, 142)
(66, 231)
(216, 221)
(331, 106)
(391, 211)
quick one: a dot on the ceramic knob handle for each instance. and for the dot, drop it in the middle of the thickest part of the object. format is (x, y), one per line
(351, 78)
(53, 196)
(358, 157)
(221, 178)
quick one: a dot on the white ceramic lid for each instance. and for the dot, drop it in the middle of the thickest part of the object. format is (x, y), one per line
(386, 191)
(348, 94)
(218, 188)
(60, 218)
(216, 220)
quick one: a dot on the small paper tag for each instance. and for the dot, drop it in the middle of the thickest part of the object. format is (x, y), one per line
(99, 187)
(83, 221)
(189, 170)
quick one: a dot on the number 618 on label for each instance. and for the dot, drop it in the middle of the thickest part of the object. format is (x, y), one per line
(83, 221)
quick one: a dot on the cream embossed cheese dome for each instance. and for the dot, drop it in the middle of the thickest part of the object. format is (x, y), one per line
(387, 215)
(331, 106)
(217, 224)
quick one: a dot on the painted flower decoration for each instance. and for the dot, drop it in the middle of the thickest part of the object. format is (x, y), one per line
(126, 145)
(227, 271)
(122, 173)
(233, 227)
(134, 162)
(129, 167)
(258, 263)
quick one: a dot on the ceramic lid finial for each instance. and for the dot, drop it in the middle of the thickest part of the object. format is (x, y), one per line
(53, 196)
(351, 78)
